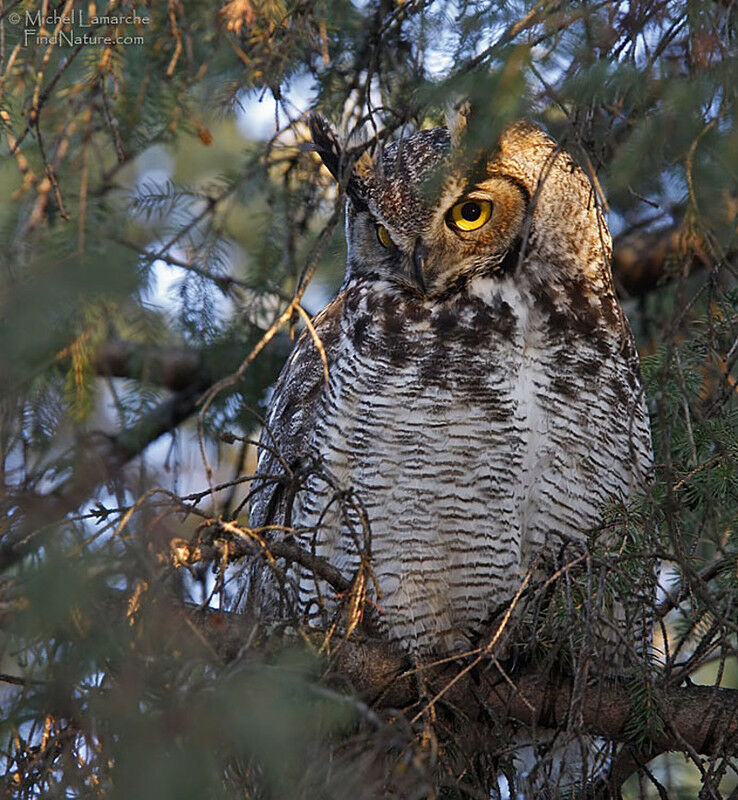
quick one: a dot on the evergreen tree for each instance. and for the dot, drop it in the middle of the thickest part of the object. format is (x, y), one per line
(158, 254)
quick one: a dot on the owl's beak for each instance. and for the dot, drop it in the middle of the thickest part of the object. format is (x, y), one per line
(420, 253)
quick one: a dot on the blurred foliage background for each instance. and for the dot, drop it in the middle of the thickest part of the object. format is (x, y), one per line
(159, 215)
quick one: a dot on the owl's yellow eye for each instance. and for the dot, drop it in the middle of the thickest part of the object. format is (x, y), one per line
(468, 215)
(384, 238)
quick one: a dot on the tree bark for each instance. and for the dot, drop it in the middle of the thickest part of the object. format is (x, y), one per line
(703, 717)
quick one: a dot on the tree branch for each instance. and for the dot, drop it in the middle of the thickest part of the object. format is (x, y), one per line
(640, 261)
(98, 457)
(185, 553)
(704, 718)
(175, 368)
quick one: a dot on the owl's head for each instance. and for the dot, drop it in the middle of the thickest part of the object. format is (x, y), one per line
(414, 217)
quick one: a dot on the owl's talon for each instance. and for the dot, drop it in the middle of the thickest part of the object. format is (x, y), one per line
(455, 643)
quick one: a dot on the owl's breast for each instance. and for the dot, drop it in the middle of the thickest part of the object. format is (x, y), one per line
(467, 347)
(419, 423)
(447, 424)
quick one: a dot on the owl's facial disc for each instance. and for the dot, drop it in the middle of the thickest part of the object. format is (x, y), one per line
(472, 232)
(412, 220)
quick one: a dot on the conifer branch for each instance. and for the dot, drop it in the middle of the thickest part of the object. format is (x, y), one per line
(640, 261)
(703, 718)
(175, 368)
(97, 457)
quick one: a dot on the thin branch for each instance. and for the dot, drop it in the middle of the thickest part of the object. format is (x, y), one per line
(249, 541)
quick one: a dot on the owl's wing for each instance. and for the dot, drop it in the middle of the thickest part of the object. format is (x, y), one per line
(639, 424)
(287, 435)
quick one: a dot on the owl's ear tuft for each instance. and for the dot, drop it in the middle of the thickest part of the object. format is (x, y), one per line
(457, 119)
(338, 160)
(326, 144)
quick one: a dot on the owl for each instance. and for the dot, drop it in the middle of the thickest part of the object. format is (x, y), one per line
(483, 397)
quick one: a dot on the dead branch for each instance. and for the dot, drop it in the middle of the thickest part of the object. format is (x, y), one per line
(185, 553)
(98, 458)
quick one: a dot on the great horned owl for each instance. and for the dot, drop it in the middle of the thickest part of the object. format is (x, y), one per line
(484, 393)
